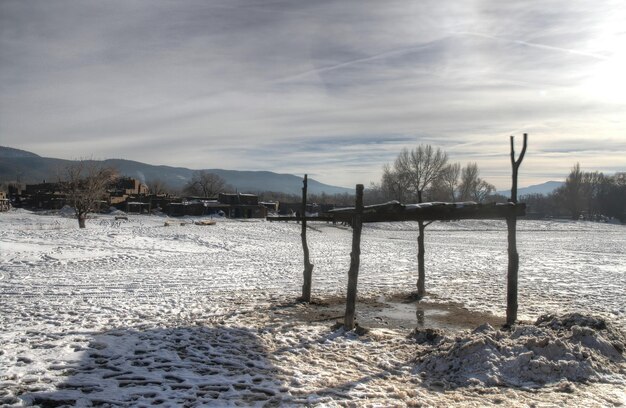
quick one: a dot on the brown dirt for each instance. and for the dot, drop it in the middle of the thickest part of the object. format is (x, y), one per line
(399, 312)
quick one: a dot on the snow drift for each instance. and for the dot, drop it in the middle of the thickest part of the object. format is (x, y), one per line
(571, 347)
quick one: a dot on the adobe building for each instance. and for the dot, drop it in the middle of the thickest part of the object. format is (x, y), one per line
(4, 202)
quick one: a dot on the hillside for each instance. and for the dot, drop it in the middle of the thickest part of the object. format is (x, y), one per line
(9, 152)
(543, 188)
(28, 167)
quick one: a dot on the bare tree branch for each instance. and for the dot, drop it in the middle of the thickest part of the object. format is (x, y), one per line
(85, 185)
(205, 184)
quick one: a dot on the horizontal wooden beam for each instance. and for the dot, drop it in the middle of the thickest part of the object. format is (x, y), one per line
(395, 212)
(298, 218)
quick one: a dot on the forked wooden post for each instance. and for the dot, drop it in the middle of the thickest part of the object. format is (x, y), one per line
(355, 257)
(308, 267)
(511, 223)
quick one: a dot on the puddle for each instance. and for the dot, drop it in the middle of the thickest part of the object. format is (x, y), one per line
(447, 316)
(399, 313)
(410, 315)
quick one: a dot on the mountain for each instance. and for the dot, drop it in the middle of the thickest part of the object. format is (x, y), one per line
(26, 167)
(8, 152)
(543, 188)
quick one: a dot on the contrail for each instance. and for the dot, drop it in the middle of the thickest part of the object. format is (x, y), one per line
(407, 50)
(537, 45)
(344, 64)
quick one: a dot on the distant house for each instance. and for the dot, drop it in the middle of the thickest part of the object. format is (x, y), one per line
(125, 187)
(311, 208)
(271, 206)
(138, 207)
(4, 202)
(130, 195)
(230, 205)
(242, 205)
(52, 196)
(47, 196)
(238, 199)
(179, 209)
(289, 208)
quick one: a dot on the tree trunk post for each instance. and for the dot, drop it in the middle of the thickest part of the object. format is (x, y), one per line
(421, 269)
(308, 267)
(511, 224)
(421, 249)
(81, 221)
(355, 257)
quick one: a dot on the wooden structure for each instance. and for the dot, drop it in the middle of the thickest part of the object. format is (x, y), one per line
(394, 211)
(308, 267)
(355, 258)
(511, 225)
(423, 212)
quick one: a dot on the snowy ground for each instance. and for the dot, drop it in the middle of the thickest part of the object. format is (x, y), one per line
(134, 313)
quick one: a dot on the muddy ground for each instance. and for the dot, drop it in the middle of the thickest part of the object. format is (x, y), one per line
(399, 312)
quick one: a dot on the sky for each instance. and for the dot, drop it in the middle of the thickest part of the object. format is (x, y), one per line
(330, 88)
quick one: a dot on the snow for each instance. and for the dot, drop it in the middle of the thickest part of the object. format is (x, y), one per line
(571, 348)
(135, 313)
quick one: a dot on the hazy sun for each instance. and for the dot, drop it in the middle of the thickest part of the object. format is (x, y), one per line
(608, 80)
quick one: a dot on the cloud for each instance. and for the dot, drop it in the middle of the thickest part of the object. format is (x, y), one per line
(334, 88)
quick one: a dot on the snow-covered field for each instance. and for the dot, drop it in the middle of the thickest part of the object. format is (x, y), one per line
(135, 313)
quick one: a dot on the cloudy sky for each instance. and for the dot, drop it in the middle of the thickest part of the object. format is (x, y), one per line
(330, 88)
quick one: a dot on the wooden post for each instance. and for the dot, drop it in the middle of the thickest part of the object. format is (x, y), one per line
(308, 267)
(421, 268)
(355, 257)
(421, 250)
(511, 224)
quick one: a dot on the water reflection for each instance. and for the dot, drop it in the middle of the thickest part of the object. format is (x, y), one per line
(420, 317)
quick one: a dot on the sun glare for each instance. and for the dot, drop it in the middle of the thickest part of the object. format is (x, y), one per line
(608, 80)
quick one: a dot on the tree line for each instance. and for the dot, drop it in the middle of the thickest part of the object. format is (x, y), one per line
(417, 175)
(584, 195)
(422, 174)
(425, 174)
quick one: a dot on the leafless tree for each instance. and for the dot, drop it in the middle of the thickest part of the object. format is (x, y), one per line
(571, 193)
(157, 186)
(426, 166)
(205, 184)
(445, 187)
(413, 172)
(592, 187)
(472, 187)
(393, 185)
(85, 185)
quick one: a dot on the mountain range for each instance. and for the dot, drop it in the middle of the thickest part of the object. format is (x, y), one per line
(27, 167)
(543, 188)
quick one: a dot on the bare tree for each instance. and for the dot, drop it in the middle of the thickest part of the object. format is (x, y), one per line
(426, 167)
(472, 187)
(157, 186)
(445, 187)
(393, 185)
(592, 185)
(413, 172)
(85, 185)
(205, 184)
(571, 193)
(484, 190)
